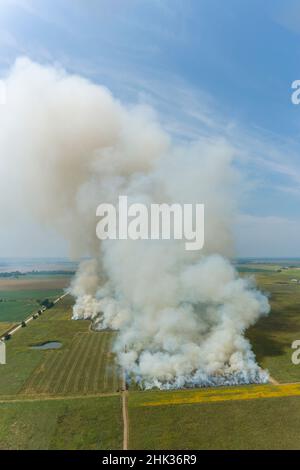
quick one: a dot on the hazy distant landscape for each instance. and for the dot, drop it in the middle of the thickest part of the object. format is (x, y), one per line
(30, 265)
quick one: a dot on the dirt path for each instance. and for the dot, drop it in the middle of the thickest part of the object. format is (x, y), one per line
(125, 414)
(24, 399)
(273, 381)
(61, 297)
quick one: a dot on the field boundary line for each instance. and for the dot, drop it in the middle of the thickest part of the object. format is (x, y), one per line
(273, 381)
(61, 397)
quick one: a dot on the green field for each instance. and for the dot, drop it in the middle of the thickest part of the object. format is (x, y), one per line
(16, 307)
(20, 297)
(88, 423)
(83, 365)
(271, 423)
(60, 399)
(273, 335)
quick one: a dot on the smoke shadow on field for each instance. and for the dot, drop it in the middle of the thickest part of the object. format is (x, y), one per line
(264, 345)
(271, 336)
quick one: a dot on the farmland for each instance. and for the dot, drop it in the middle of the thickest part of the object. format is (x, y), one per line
(271, 423)
(83, 365)
(83, 423)
(86, 367)
(273, 335)
(4, 326)
(20, 297)
(60, 399)
(70, 398)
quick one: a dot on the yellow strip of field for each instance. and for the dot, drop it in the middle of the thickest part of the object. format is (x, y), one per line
(225, 394)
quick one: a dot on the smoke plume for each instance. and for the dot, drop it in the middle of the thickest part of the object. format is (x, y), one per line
(67, 145)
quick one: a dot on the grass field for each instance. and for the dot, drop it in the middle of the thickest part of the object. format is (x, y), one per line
(20, 297)
(84, 423)
(273, 335)
(83, 365)
(51, 399)
(86, 367)
(4, 326)
(271, 423)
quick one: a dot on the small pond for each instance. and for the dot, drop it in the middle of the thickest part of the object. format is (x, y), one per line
(48, 345)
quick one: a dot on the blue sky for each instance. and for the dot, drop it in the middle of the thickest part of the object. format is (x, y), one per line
(208, 66)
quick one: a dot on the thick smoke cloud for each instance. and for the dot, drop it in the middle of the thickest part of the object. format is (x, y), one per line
(67, 145)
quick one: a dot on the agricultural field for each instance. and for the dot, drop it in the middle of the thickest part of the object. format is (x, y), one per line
(273, 335)
(270, 423)
(5, 326)
(84, 423)
(83, 365)
(86, 367)
(65, 398)
(20, 297)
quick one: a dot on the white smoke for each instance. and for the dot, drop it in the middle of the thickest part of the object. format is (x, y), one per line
(68, 145)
